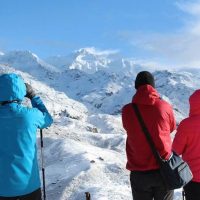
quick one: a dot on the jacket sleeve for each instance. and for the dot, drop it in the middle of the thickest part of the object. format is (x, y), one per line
(163, 126)
(126, 118)
(180, 140)
(172, 120)
(44, 119)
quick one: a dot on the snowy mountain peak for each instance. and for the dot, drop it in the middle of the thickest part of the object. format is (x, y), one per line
(23, 54)
(25, 60)
(89, 61)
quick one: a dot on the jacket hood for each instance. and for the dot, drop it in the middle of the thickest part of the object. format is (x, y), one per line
(195, 103)
(145, 95)
(12, 87)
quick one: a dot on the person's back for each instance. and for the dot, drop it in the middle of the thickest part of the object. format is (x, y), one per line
(159, 119)
(18, 126)
(187, 144)
(153, 110)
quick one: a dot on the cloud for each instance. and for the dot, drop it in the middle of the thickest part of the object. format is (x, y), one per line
(182, 47)
(192, 7)
(99, 52)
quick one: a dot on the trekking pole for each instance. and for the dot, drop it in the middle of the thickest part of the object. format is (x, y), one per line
(88, 196)
(183, 194)
(43, 169)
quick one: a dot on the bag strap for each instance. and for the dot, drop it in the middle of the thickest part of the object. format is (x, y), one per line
(147, 134)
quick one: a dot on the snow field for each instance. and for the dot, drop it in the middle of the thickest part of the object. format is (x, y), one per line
(84, 150)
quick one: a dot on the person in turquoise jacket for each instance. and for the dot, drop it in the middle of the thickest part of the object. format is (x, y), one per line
(19, 172)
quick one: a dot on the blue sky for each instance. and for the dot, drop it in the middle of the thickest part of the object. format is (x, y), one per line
(144, 29)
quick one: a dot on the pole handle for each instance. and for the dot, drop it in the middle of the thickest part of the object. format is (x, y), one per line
(41, 137)
(183, 194)
(88, 196)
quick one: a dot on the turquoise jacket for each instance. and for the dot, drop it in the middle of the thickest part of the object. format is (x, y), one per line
(19, 173)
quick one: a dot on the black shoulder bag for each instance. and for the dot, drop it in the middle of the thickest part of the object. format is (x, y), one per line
(175, 172)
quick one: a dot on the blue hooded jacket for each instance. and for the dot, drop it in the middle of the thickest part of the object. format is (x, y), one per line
(19, 173)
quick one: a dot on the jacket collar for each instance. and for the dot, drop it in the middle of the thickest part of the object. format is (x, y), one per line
(195, 103)
(146, 95)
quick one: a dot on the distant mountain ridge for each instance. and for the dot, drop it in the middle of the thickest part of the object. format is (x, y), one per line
(103, 80)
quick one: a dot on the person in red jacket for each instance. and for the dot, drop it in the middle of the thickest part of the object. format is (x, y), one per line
(187, 144)
(145, 178)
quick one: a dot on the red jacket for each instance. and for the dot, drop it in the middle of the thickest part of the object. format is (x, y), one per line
(187, 138)
(159, 119)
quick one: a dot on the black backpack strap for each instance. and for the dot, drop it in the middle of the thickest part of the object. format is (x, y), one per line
(146, 133)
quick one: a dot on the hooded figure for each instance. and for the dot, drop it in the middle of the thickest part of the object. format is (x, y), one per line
(19, 173)
(146, 181)
(187, 144)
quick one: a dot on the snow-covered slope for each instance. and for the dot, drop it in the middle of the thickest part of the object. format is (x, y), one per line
(85, 91)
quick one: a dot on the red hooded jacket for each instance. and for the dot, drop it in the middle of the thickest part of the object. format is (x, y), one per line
(159, 119)
(187, 138)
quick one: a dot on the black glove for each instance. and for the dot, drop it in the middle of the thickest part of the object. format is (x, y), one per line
(29, 91)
